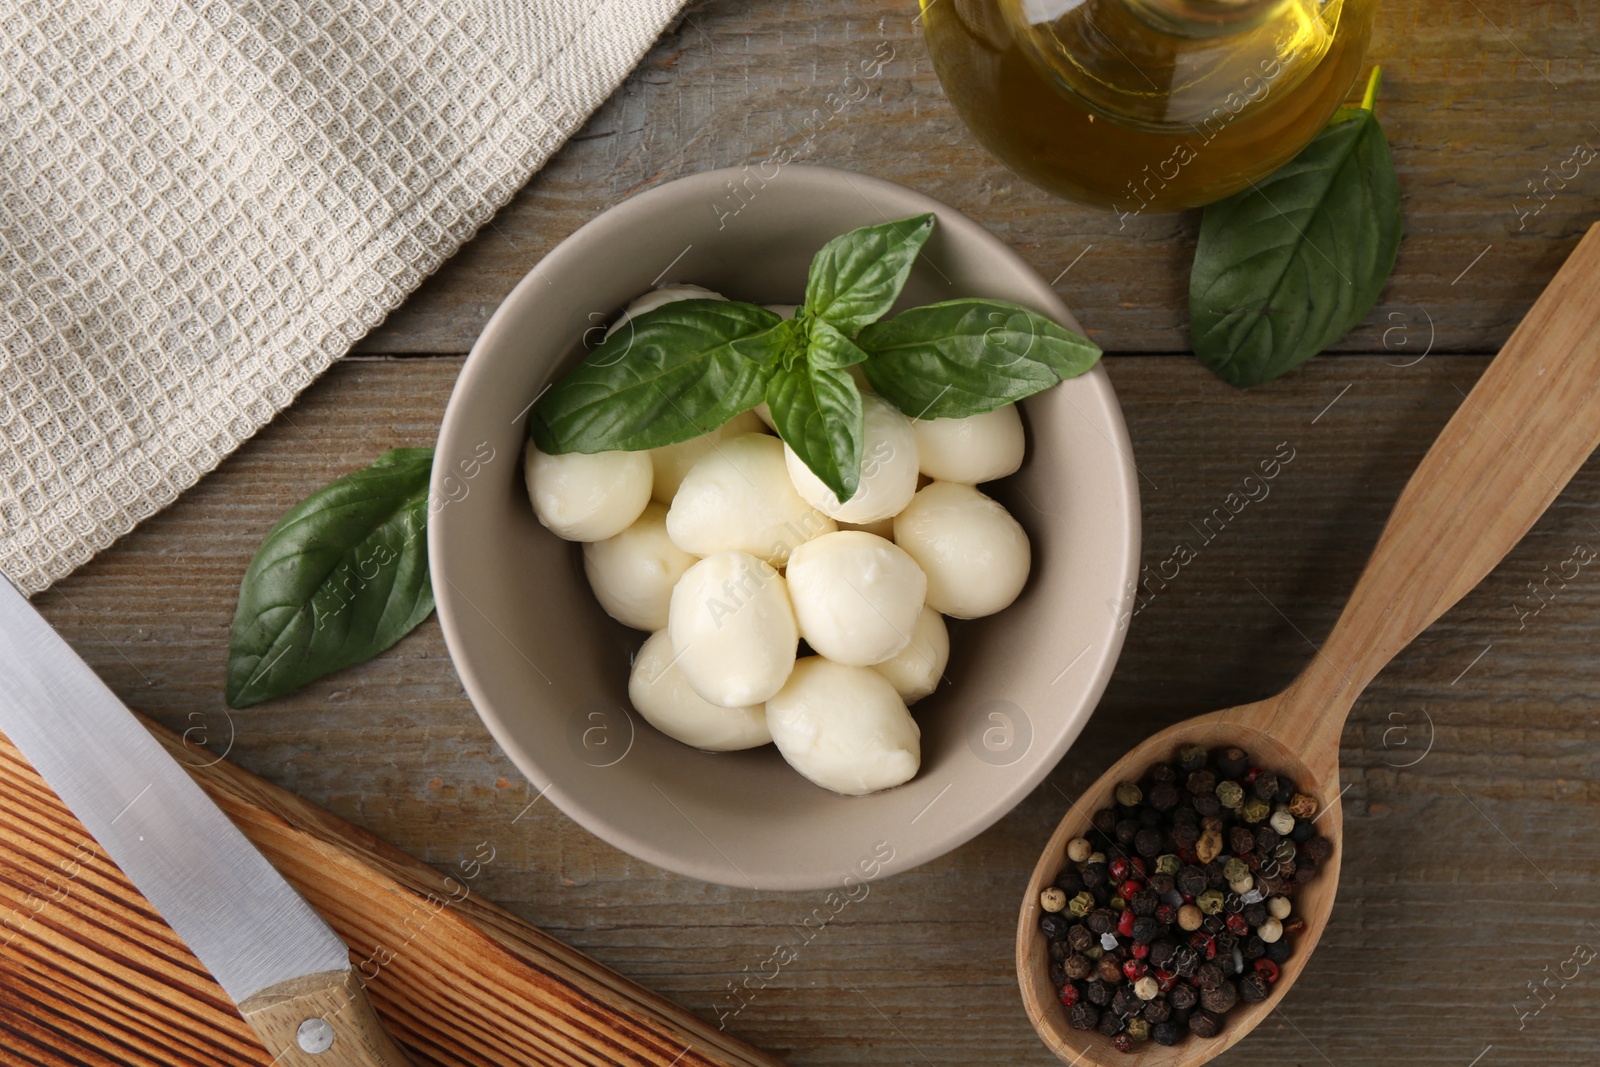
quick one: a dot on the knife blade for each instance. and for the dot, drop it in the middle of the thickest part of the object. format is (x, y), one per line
(288, 972)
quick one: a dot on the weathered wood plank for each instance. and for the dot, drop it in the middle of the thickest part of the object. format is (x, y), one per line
(1479, 98)
(1444, 915)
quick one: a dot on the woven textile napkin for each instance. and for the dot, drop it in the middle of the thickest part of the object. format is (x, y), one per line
(202, 205)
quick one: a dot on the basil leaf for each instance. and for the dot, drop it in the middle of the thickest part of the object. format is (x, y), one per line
(816, 409)
(966, 357)
(1287, 268)
(857, 276)
(340, 578)
(671, 374)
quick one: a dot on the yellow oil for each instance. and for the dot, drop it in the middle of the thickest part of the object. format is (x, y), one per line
(1146, 105)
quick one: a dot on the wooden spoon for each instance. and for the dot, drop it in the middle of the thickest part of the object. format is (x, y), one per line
(1518, 437)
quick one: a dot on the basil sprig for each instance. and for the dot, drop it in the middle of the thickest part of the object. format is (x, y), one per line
(687, 367)
(341, 577)
(1287, 267)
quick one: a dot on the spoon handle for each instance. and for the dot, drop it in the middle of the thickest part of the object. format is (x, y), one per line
(1518, 437)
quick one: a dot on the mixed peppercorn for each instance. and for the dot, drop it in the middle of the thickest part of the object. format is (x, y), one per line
(1178, 904)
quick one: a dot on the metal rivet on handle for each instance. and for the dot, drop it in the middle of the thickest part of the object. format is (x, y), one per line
(314, 1036)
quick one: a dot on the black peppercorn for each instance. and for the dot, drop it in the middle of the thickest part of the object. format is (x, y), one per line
(1059, 950)
(1163, 772)
(1185, 835)
(1147, 842)
(1216, 875)
(1253, 948)
(1225, 940)
(1265, 786)
(1209, 976)
(1167, 1033)
(1146, 930)
(1201, 782)
(1253, 988)
(1233, 761)
(1123, 1002)
(1303, 832)
(1162, 884)
(1304, 871)
(1158, 1010)
(1105, 820)
(1110, 1023)
(1254, 914)
(1109, 970)
(1058, 975)
(1101, 920)
(1184, 997)
(1319, 849)
(1286, 790)
(1204, 1024)
(1241, 840)
(1185, 815)
(1126, 830)
(1192, 881)
(1097, 992)
(1081, 937)
(1164, 796)
(1279, 951)
(1145, 902)
(1095, 876)
(1186, 961)
(1161, 953)
(1192, 757)
(1083, 1016)
(1207, 804)
(1069, 881)
(1266, 840)
(1053, 925)
(1149, 817)
(1220, 999)
(1214, 924)
(1078, 966)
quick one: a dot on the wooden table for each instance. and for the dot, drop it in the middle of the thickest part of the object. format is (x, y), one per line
(1472, 766)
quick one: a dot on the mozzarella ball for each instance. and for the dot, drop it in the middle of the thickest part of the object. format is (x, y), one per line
(668, 702)
(915, 670)
(587, 496)
(845, 728)
(732, 628)
(632, 574)
(883, 528)
(888, 468)
(737, 497)
(672, 462)
(667, 294)
(856, 596)
(974, 553)
(979, 448)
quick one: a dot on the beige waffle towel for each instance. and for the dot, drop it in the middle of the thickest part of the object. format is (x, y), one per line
(203, 204)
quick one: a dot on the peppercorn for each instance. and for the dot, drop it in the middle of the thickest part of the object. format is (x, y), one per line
(1105, 820)
(1168, 863)
(1184, 997)
(1094, 951)
(1214, 924)
(1233, 761)
(1184, 815)
(1207, 804)
(1192, 757)
(1303, 832)
(1083, 1016)
(1204, 1024)
(1279, 951)
(1254, 948)
(1166, 1033)
(1139, 951)
(1210, 902)
(1265, 785)
(1318, 849)
(1080, 937)
(1146, 988)
(1149, 817)
(1230, 794)
(1164, 796)
(1101, 920)
(1097, 992)
(1058, 974)
(1161, 953)
(1081, 905)
(1069, 993)
(1213, 823)
(1097, 858)
(1209, 976)
(1095, 876)
(1145, 902)
(1235, 869)
(1190, 917)
(1126, 830)
(1163, 884)
(1109, 970)
(1053, 926)
(1253, 988)
(1184, 835)
(1201, 782)
(1242, 886)
(1191, 881)
(1302, 806)
(1186, 961)
(1069, 881)
(1158, 1010)
(1053, 899)
(1146, 930)
(1254, 810)
(1111, 1025)
(1079, 849)
(1241, 840)
(1220, 999)
(1166, 914)
(1163, 772)
(1237, 925)
(1268, 970)
(1058, 950)
(1294, 927)
(1254, 914)
(1209, 847)
(1148, 842)
(1270, 931)
(1266, 840)
(1123, 1002)
(1304, 871)
(1078, 966)
(1282, 821)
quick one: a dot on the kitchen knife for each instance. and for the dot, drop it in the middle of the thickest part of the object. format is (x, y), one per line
(287, 971)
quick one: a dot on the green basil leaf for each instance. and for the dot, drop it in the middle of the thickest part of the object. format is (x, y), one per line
(857, 276)
(1286, 268)
(340, 578)
(966, 357)
(670, 374)
(816, 409)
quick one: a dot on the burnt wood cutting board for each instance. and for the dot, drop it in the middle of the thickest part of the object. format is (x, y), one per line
(90, 975)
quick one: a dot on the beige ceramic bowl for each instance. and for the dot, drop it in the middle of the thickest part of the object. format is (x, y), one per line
(547, 669)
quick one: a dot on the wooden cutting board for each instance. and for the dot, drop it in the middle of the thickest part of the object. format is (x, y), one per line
(90, 975)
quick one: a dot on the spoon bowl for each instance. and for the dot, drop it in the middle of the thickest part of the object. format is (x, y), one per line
(1526, 427)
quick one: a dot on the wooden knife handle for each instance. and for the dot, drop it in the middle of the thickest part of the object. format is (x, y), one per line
(321, 1020)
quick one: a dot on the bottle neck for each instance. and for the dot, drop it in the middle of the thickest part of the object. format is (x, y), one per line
(1170, 65)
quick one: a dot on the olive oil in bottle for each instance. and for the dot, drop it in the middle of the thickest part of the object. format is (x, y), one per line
(1146, 104)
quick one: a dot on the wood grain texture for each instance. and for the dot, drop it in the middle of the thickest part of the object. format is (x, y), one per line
(93, 972)
(1470, 763)
(1483, 103)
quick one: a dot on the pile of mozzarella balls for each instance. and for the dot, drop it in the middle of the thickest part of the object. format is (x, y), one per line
(730, 552)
